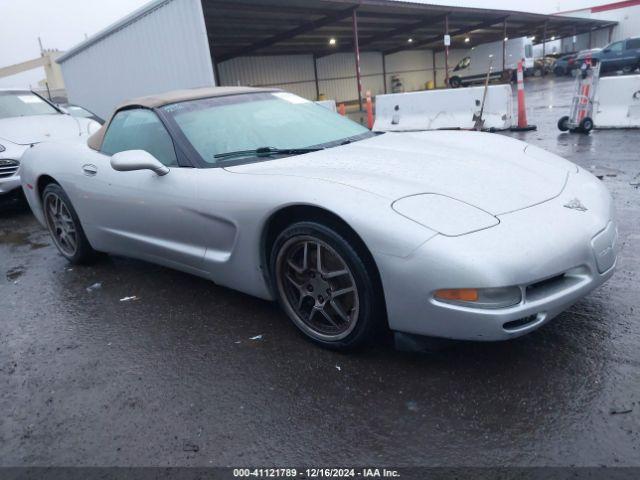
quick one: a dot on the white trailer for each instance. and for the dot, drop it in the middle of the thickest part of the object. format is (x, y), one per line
(474, 66)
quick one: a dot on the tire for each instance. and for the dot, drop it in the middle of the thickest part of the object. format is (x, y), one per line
(455, 82)
(559, 72)
(586, 125)
(563, 124)
(64, 226)
(339, 306)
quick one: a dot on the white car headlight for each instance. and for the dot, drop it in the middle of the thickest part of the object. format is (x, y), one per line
(443, 214)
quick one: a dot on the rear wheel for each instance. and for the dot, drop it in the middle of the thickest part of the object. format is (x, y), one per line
(455, 82)
(586, 125)
(559, 72)
(326, 286)
(64, 225)
(563, 124)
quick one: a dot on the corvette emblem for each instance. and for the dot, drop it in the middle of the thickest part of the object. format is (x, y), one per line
(575, 204)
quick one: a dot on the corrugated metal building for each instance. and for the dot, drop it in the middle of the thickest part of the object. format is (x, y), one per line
(304, 46)
(625, 15)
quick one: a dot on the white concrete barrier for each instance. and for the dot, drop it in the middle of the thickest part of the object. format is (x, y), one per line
(448, 108)
(617, 102)
(328, 104)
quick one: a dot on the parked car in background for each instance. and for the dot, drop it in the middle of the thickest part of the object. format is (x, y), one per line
(583, 55)
(474, 67)
(622, 56)
(80, 112)
(565, 64)
(462, 235)
(543, 66)
(26, 119)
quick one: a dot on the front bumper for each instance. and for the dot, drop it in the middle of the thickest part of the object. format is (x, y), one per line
(9, 184)
(555, 255)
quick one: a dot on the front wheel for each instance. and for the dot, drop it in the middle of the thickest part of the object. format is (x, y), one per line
(563, 124)
(64, 225)
(455, 82)
(326, 286)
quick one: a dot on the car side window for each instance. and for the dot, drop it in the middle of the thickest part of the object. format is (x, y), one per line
(464, 63)
(633, 44)
(616, 47)
(140, 129)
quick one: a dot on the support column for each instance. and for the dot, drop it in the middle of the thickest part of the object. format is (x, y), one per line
(384, 72)
(216, 73)
(544, 40)
(610, 34)
(504, 47)
(590, 39)
(356, 51)
(573, 40)
(433, 64)
(315, 75)
(446, 52)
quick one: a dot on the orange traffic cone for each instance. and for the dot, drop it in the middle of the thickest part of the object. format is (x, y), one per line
(369, 111)
(523, 126)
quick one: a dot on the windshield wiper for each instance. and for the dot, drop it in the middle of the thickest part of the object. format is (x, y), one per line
(268, 151)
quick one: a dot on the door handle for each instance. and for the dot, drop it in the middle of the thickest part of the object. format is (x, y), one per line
(90, 170)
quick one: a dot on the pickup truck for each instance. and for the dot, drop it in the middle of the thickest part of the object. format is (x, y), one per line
(623, 55)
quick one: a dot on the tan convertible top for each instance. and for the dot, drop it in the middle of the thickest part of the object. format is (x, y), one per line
(175, 96)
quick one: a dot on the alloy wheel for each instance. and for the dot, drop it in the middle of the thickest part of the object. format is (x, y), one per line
(61, 224)
(318, 288)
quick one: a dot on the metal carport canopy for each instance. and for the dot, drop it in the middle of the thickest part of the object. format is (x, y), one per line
(288, 27)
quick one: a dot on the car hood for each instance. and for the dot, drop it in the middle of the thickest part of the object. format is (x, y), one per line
(40, 128)
(492, 172)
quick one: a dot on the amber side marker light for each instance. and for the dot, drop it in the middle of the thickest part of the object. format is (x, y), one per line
(501, 297)
(458, 294)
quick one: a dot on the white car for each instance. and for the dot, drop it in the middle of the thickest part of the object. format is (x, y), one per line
(27, 119)
(448, 234)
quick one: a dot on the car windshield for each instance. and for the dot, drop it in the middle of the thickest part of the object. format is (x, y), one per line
(76, 111)
(232, 128)
(23, 104)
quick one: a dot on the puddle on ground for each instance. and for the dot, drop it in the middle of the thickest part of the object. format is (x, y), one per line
(20, 239)
(14, 273)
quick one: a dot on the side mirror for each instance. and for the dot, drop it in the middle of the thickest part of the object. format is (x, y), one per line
(131, 160)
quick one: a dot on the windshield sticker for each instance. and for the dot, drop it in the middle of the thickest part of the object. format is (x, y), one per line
(29, 99)
(290, 97)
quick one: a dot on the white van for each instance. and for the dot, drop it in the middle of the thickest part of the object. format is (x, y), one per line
(474, 66)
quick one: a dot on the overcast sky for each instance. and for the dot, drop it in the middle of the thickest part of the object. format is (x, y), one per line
(62, 24)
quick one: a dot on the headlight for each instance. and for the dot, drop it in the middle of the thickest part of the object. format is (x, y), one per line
(480, 297)
(444, 215)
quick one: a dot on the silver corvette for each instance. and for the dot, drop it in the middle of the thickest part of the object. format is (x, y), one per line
(444, 234)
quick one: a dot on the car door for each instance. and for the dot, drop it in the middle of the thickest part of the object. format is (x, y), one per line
(612, 56)
(138, 213)
(632, 54)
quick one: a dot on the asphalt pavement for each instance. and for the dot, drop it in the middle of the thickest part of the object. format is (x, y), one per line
(191, 374)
